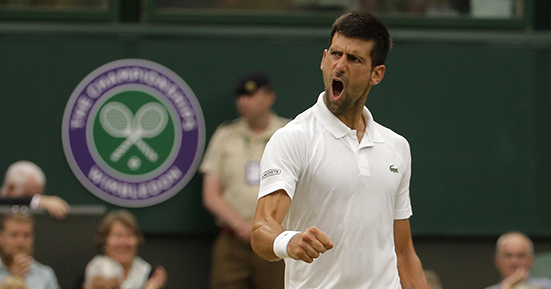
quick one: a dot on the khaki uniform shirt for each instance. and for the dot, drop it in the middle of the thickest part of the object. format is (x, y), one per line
(233, 155)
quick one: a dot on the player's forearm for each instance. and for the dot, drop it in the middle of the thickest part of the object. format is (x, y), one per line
(411, 272)
(270, 212)
(263, 236)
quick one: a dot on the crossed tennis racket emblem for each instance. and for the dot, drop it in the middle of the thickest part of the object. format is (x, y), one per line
(150, 121)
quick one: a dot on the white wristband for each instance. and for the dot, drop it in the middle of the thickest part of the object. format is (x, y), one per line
(281, 242)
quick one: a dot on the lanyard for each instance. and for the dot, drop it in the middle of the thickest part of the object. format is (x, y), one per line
(247, 146)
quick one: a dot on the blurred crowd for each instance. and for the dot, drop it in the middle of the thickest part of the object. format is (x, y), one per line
(117, 265)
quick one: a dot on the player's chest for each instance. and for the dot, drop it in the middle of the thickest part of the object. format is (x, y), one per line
(339, 166)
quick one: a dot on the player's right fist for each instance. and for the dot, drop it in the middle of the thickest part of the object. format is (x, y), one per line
(308, 245)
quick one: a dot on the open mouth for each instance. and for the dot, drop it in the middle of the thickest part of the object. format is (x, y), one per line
(337, 88)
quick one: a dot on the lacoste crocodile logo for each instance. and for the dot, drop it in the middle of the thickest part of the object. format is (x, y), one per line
(392, 169)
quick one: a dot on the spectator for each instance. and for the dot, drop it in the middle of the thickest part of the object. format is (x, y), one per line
(514, 258)
(103, 273)
(118, 238)
(24, 184)
(230, 186)
(16, 252)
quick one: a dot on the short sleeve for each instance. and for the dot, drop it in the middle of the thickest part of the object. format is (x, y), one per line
(282, 162)
(402, 208)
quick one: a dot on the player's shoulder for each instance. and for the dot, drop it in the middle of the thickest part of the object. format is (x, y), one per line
(299, 126)
(389, 135)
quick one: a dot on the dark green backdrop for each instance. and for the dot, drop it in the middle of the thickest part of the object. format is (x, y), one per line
(474, 107)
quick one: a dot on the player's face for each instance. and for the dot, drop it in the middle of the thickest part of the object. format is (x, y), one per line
(347, 73)
(121, 244)
(255, 105)
(101, 283)
(515, 254)
(16, 238)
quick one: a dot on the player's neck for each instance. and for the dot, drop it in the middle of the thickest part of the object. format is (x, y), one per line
(354, 120)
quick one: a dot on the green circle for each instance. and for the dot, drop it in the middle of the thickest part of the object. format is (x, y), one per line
(106, 144)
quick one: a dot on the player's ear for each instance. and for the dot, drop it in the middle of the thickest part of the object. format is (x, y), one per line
(377, 74)
(323, 58)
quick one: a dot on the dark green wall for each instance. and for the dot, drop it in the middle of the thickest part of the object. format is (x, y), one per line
(474, 107)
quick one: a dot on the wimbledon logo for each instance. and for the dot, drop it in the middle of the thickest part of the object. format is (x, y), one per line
(133, 133)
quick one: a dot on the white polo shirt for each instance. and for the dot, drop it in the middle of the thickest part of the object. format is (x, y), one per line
(352, 191)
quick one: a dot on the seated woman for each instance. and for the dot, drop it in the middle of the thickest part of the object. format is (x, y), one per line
(118, 238)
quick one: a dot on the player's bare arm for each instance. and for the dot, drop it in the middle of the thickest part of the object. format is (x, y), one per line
(270, 212)
(409, 265)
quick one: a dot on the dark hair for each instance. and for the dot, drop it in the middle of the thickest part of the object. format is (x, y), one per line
(365, 26)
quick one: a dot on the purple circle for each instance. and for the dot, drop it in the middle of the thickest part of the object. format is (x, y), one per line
(171, 176)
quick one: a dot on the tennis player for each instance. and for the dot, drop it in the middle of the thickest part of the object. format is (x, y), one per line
(334, 192)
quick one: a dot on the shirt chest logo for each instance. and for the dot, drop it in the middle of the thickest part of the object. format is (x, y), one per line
(393, 169)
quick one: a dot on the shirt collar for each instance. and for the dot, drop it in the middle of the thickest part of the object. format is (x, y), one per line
(338, 129)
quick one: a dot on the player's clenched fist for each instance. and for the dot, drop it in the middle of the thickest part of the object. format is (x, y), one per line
(308, 245)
